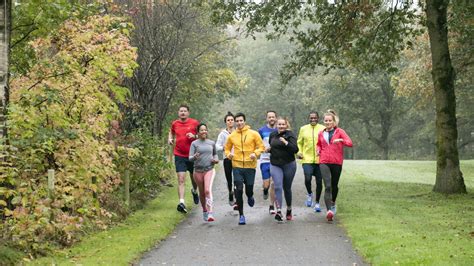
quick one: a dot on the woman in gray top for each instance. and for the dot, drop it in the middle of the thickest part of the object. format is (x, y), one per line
(203, 154)
(221, 139)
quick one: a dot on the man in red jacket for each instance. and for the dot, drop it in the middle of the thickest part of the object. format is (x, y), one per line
(182, 133)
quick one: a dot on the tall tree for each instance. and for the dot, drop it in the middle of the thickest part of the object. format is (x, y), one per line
(449, 178)
(368, 35)
(5, 11)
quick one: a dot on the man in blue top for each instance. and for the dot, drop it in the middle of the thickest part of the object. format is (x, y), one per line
(265, 159)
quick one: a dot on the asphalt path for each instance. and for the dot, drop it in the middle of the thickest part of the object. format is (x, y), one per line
(307, 240)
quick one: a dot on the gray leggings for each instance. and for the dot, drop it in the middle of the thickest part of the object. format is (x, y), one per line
(331, 174)
(283, 179)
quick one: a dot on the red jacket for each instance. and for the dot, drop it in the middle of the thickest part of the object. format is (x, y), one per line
(332, 153)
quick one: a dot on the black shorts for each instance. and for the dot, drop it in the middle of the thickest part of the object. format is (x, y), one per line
(183, 164)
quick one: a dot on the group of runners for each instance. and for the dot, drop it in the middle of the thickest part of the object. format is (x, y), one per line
(319, 147)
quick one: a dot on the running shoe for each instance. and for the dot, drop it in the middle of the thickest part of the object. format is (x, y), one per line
(251, 201)
(333, 209)
(182, 208)
(271, 210)
(205, 216)
(289, 217)
(231, 198)
(241, 220)
(236, 207)
(317, 207)
(329, 216)
(195, 196)
(278, 216)
(309, 200)
(265, 193)
(210, 217)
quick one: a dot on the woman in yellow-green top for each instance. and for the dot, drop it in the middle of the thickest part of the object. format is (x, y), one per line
(307, 141)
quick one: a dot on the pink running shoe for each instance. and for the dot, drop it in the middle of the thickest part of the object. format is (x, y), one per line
(329, 216)
(210, 217)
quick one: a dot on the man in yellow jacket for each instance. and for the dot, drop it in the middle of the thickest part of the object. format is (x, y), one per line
(307, 141)
(243, 147)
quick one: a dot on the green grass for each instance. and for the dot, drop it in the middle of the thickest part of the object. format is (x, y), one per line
(393, 217)
(9, 256)
(125, 243)
(387, 207)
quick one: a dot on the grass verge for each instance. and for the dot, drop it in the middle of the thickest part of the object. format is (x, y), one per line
(9, 256)
(393, 217)
(125, 242)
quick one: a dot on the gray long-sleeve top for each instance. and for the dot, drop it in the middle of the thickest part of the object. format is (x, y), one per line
(207, 152)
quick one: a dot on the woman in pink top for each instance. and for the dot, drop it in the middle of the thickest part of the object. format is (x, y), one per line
(330, 147)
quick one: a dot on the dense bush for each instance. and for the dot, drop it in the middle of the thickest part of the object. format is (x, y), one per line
(60, 114)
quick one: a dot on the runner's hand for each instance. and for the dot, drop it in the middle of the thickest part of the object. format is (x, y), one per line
(214, 161)
(230, 156)
(190, 135)
(170, 141)
(338, 140)
(299, 156)
(253, 156)
(282, 139)
(196, 155)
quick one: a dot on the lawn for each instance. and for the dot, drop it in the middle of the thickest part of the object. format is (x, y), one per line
(387, 208)
(393, 217)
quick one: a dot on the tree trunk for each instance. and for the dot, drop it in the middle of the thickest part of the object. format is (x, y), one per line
(448, 174)
(5, 25)
(386, 114)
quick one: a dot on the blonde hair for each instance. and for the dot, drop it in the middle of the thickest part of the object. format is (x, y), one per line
(333, 114)
(288, 126)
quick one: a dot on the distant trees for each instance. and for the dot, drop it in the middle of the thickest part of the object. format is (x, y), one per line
(369, 107)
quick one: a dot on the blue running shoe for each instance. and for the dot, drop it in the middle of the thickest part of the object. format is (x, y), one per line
(205, 216)
(251, 201)
(333, 209)
(241, 220)
(309, 200)
(317, 207)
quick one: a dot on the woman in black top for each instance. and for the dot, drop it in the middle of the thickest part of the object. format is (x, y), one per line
(283, 148)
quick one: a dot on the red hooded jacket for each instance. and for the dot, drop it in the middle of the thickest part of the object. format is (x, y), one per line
(332, 153)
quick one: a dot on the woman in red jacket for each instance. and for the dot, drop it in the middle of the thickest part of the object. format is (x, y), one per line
(330, 147)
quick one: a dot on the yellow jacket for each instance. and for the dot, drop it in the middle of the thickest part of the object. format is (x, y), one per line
(244, 142)
(307, 141)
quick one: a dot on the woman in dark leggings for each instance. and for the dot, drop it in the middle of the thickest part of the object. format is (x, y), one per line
(283, 148)
(330, 147)
(221, 139)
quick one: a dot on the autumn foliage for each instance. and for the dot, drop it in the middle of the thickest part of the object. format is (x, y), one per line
(60, 116)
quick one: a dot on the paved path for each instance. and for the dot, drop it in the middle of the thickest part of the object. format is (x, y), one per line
(307, 240)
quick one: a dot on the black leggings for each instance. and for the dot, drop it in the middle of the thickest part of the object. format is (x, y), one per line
(228, 173)
(243, 176)
(331, 174)
(310, 170)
